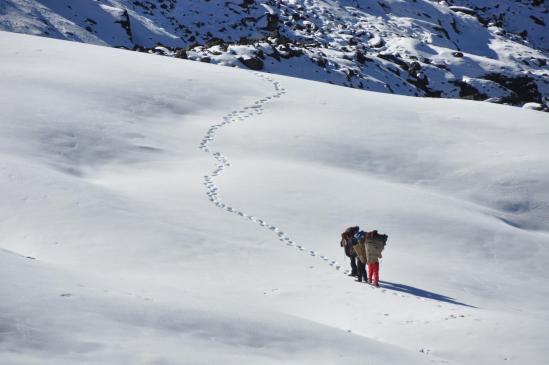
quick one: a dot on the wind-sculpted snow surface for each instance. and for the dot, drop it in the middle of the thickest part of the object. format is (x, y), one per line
(481, 50)
(118, 244)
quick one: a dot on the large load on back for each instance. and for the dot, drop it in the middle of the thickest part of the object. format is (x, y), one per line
(359, 246)
(347, 240)
(375, 244)
(378, 239)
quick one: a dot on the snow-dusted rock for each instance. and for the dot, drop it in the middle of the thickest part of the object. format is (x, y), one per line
(332, 41)
(533, 106)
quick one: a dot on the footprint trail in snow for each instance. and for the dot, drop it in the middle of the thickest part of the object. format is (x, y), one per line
(212, 190)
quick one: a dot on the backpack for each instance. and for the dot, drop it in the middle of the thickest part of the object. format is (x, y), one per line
(347, 240)
(379, 240)
(351, 231)
(358, 238)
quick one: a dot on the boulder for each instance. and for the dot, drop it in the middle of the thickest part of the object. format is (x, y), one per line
(253, 63)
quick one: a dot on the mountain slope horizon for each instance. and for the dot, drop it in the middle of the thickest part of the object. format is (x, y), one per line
(494, 51)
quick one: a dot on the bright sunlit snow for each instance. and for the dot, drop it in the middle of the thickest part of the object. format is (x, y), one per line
(162, 211)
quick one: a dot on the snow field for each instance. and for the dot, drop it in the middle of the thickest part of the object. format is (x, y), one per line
(103, 185)
(213, 191)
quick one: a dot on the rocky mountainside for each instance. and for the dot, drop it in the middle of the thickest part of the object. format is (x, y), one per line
(489, 50)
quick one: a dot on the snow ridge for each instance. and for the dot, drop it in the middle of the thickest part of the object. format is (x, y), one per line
(212, 190)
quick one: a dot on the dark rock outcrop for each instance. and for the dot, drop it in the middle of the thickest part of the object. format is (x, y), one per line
(254, 63)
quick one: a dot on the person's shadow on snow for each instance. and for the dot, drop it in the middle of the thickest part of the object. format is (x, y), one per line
(421, 293)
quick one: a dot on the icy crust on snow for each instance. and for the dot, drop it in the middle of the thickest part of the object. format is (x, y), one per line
(417, 48)
(123, 241)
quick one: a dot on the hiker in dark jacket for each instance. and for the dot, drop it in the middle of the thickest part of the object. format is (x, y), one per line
(346, 243)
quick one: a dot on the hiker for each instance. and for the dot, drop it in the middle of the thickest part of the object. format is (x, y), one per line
(360, 250)
(346, 243)
(375, 243)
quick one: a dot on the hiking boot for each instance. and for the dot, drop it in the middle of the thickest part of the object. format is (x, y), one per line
(360, 281)
(353, 274)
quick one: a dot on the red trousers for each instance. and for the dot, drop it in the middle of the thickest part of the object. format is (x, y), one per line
(373, 272)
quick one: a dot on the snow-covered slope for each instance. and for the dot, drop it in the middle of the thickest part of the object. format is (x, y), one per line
(156, 210)
(482, 50)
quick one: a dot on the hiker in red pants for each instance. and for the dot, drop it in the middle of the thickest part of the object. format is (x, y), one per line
(373, 272)
(375, 243)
